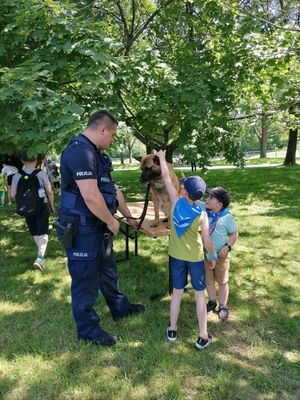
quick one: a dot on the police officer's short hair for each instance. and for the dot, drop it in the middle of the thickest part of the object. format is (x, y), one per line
(102, 115)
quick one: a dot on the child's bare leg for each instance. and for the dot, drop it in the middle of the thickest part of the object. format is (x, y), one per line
(210, 284)
(201, 313)
(224, 292)
(175, 308)
(8, 194)
(42, 245)
(211, 291)
(36, 240)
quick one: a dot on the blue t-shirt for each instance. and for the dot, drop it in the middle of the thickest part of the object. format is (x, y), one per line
(225, 226)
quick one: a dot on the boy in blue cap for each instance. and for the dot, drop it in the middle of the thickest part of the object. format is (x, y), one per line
(186, 249)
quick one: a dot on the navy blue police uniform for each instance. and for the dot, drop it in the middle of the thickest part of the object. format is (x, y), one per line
(91, 270)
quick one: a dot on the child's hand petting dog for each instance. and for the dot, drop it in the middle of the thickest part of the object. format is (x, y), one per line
(161, 154)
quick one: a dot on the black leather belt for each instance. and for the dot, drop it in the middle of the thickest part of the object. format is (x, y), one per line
(94, 222)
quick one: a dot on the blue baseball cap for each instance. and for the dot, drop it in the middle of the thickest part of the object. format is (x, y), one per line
(195, 186)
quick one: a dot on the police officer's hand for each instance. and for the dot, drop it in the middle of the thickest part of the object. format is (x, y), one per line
(114, 226)
(133, 223)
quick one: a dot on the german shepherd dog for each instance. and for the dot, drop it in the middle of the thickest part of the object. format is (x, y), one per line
(151, 172)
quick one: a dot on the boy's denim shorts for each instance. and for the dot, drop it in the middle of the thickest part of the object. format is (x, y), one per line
(180, 269)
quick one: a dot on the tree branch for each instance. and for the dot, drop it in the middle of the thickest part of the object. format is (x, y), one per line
(133, 7)
(137, 133)
(243, 11)
(256, 132)
(141, 29)
(123, 19)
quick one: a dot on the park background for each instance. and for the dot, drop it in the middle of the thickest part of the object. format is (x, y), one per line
(207, 81)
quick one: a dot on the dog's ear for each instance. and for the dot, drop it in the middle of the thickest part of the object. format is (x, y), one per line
(156, 160)
(138, 158)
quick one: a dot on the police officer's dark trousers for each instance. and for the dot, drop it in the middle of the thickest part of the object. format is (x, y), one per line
(90, 272)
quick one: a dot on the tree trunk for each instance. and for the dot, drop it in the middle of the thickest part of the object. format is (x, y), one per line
(169, 154)
(148, 149)
(122, 158)
(129, 148)
(264, 136)
(290, 157)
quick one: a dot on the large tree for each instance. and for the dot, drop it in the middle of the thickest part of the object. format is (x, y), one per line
(52, 67)
(178, 72)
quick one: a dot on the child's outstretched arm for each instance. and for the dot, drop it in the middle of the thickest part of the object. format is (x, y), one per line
(173, 194)
(207, 242)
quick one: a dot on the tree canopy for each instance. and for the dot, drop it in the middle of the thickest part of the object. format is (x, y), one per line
(181, 74)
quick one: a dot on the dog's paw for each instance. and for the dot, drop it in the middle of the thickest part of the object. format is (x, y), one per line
(154, 224)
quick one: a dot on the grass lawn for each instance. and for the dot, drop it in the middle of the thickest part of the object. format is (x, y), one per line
(249, 161)
(256, 161)
(253, 356)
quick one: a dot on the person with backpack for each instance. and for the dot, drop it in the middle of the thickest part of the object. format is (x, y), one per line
(32, 191)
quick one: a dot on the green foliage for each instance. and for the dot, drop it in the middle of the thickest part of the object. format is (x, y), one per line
(178, 73)
(52, 64)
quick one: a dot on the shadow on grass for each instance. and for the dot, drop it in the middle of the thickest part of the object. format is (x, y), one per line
(251, 357)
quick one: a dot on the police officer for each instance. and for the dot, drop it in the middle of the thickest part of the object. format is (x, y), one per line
(89, 199)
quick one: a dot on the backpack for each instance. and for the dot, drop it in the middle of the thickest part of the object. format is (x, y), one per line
(27, 197)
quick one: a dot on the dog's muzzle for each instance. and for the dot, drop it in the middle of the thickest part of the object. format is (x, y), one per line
(148, 176)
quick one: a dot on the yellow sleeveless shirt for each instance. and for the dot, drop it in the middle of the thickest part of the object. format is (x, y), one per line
(189, 246)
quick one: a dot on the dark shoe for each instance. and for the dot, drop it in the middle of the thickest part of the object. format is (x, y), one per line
(105, 339)
(211, 305)
(134, 309)
(171, 335)
(39, 264)
(203, 343)
(223, 313)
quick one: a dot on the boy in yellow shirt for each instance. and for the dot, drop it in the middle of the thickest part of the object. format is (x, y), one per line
(186, 249)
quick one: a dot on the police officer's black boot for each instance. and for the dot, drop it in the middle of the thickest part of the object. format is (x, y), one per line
(104, 339)
(133, 309)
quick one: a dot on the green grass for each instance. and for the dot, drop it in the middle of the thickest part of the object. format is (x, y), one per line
(256, 161)
(222, 162)
(254, 356)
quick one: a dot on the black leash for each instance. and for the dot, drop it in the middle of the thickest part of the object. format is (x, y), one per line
(108, 236)
(107, 243)
(142, 217)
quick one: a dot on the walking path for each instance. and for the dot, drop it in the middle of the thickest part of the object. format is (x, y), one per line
(213, 167)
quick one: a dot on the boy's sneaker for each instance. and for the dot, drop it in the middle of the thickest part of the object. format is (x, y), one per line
(39, 264)
(223, 313)
(212, 305)
(171, 335)
(203, 343)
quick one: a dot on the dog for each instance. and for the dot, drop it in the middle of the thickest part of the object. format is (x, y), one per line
(151, 172)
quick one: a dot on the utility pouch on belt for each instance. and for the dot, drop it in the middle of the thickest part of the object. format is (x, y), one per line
(66, 231)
